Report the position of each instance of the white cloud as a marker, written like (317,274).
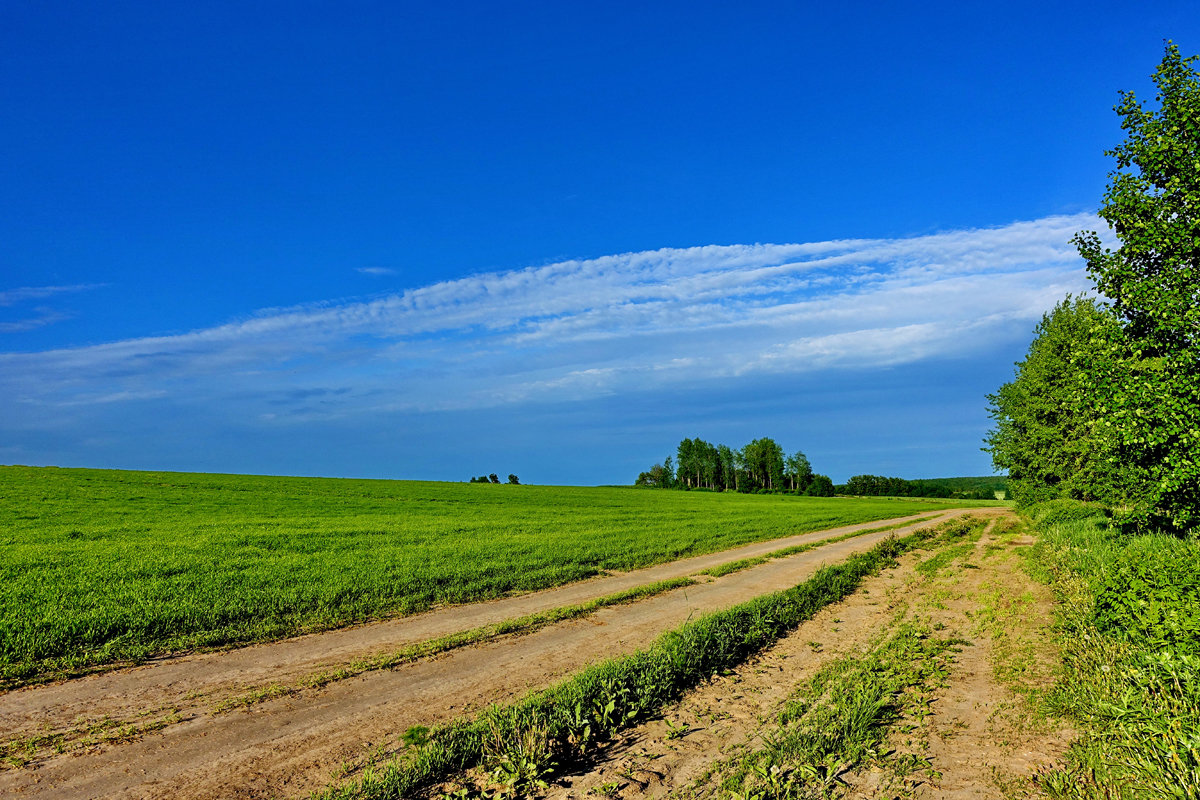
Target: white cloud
(11,297)
(583,328)
(45,316)
(376,271)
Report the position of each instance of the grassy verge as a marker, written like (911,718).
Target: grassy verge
(1129,616)
(516,748)
(930,567)
(784,552)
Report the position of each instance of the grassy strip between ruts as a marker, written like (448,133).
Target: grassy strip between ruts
(523,743)
(431,647)
(839,720)
(746,563)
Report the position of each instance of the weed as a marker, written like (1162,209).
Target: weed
(675,731)
(839,719)
(417,736)
(1132,686)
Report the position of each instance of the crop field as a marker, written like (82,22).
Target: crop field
(103,566)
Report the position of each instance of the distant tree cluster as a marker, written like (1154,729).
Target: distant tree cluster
(760,466)
(494,478)
(879,486)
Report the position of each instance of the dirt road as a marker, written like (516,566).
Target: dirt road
(292,745)
(975,740)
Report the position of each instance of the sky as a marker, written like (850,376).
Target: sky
(430,241)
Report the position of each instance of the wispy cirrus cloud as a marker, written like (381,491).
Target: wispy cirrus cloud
(42,315)
(45,316)
(586,328)
(11,297)
(376,271)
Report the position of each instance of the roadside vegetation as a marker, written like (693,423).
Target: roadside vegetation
(1100,433)
(105,566)
(1106,405)
(1129,616)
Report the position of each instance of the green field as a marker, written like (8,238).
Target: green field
(103,566)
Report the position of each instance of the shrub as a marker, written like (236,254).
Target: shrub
(1152,595)
(1054,512)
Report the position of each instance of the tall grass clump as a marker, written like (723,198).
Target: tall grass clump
(571,718)
(1129,615)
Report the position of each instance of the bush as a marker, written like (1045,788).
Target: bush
(1152,595)
(1054,512)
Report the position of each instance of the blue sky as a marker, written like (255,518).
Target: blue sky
(429,241)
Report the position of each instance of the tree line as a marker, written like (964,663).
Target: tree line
(880,486)
(1106,404)
(760,466)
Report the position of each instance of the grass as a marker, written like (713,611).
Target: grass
(515,749)
(1129,631)
(102,566)
(839,721)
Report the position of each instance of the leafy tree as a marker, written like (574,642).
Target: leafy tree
(764,462)
(799,471)
(699,464)
(1153,279)
(1051,433)
(819,486)
(729,468)
(656,477)
(493,478)
(877,486)
(759,466)
(513,479)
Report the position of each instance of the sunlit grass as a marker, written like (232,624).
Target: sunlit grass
(103,566)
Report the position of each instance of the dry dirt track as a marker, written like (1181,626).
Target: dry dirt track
(290,746)
(975,733)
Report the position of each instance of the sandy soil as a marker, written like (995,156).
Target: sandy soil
(292,745)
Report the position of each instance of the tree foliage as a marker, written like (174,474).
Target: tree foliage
(1051,434)
(1107,405)
(1153,280)
(759,466)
